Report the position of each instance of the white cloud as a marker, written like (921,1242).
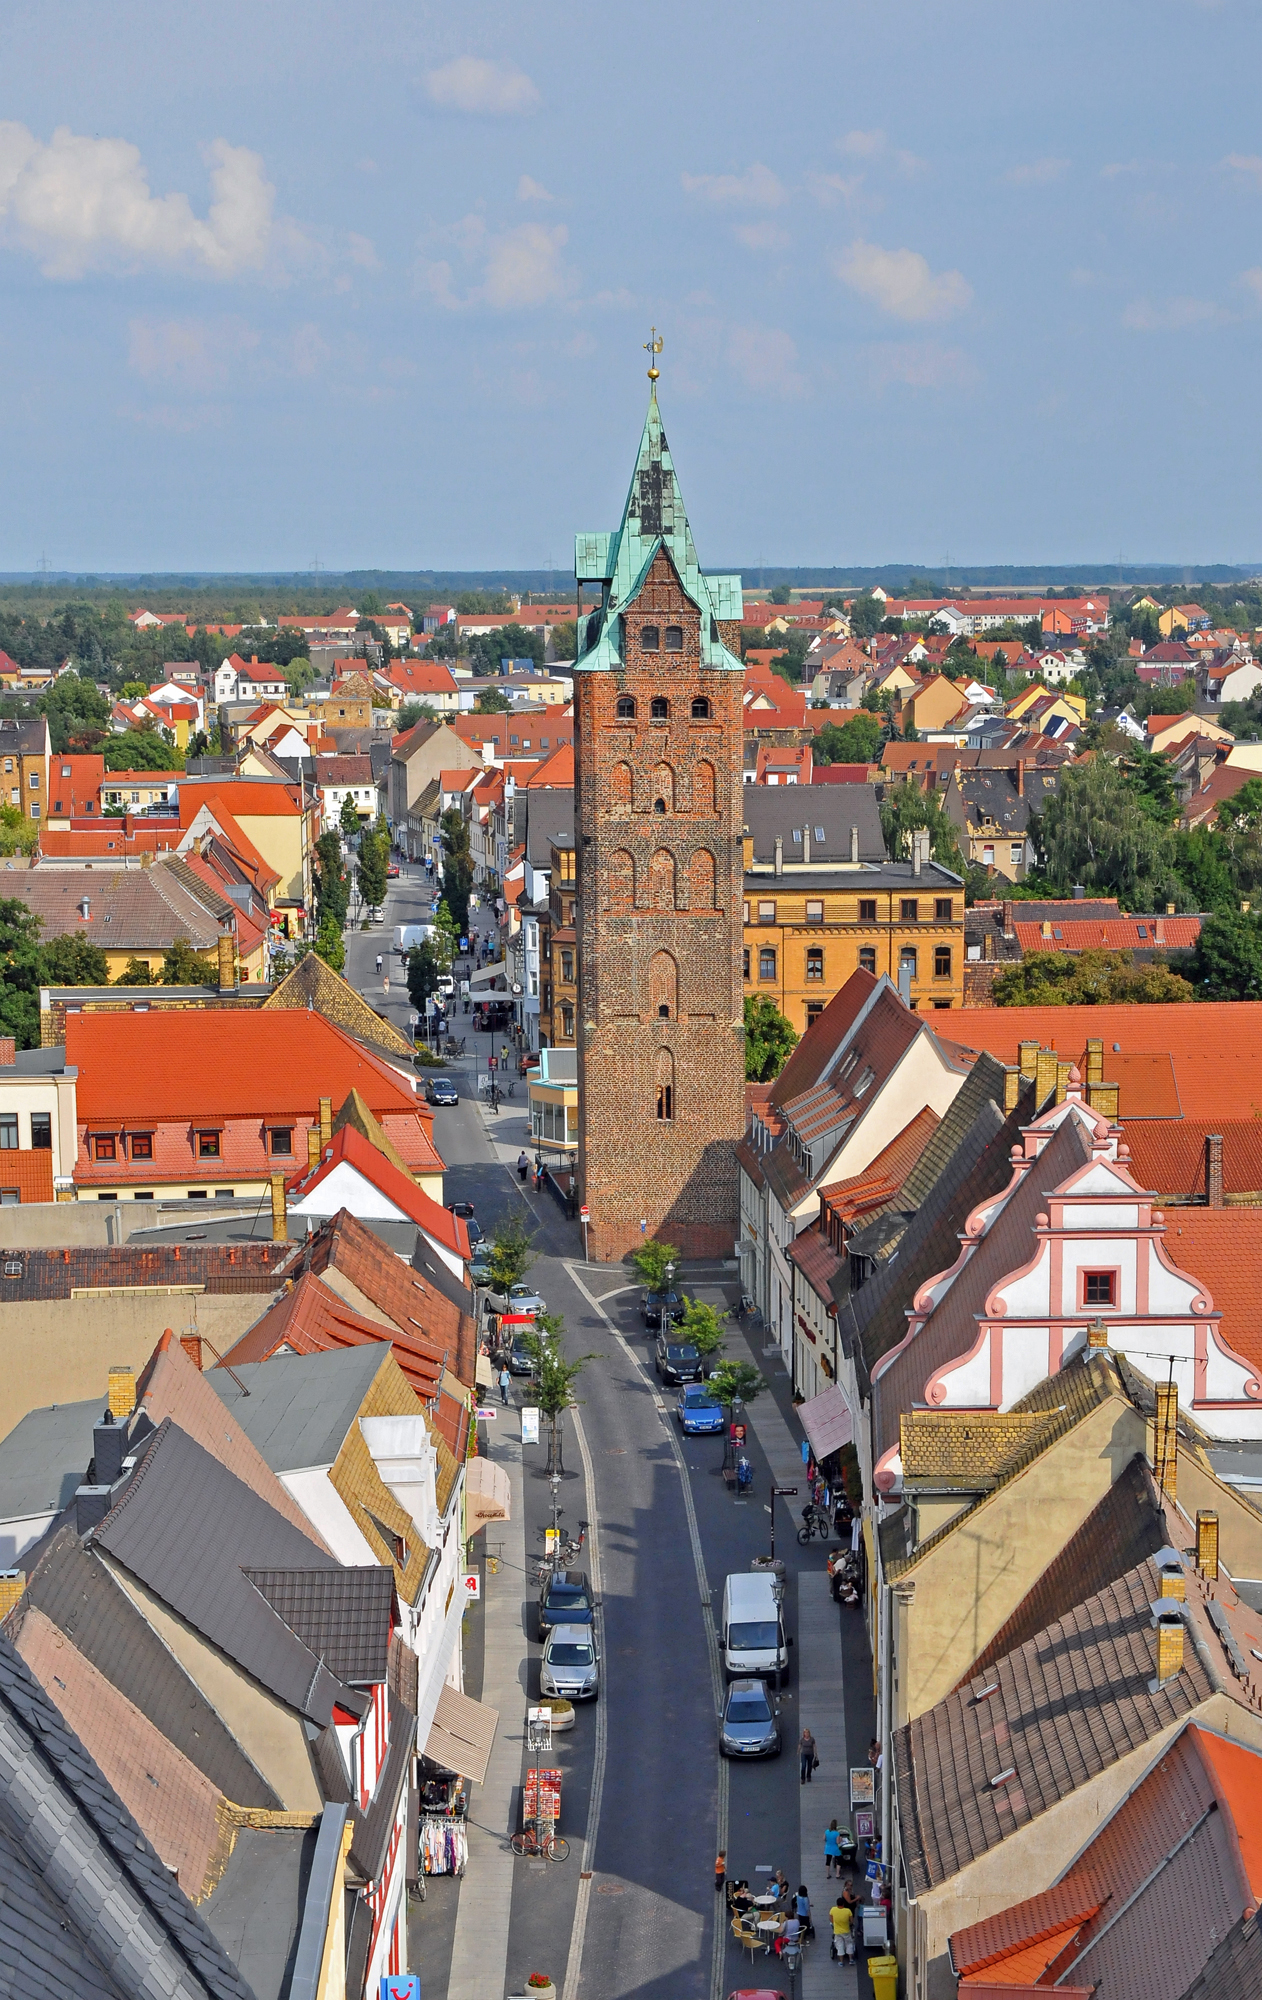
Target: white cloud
(1248,164)
(519,267)
(765,358)
(901,283)
(1037,173)
(528,190)
(921,365)
(757,187)
(363,252)
(829,189)
(863,145)
(761,236)
(1252,279)
(1169,315)
(486,89)
(193,353)
(81,204)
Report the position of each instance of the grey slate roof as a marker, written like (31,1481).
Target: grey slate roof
(1235,1970)
(44,1458)
(343,1615)
(549,818)
(185,1526)
(255,1909)
(299,1407)
(769,810)
(86,1906)
(130,908)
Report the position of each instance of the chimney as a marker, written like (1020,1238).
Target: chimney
(904,982)
(806,843)
(91,1505)
(1079,892)
(8,1052)
(1207,1543)
(1168,1620)
(1169,909)
(12,1584)
(280,1226)
(85,907)
(1045,930)
(1097,1334)
(192,1345)
(854,847)
(313,1147)
(121,1396)
(779,854)
(1170,1570)
(1020,777)
(326,1121)
(109,1448)
(227,965)
(1008,920)
(1011,1089)
(1028,1058)
(915,852)
(1044,1077)
(1159,930)
(1165,1439)
(1214,1170)
(1095,1062)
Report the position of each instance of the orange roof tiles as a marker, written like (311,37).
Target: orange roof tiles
(1223,1248)
(1122,934)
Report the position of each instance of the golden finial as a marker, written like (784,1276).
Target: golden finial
(653,347)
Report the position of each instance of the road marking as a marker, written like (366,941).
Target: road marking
(719,1940)
(573,1963)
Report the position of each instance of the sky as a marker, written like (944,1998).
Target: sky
(368,286)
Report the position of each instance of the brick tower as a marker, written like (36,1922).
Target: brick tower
(658,688)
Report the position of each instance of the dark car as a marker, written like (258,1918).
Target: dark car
(662,1308)
(565,1598)
(441,1090)
(464,1209)
(749,1727)
(521,1360)
(677,1361)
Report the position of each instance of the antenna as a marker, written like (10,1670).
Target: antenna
(42,567)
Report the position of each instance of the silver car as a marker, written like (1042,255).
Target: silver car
(571,1663)
(749,1727)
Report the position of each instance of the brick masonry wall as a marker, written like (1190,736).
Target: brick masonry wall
(979,980)
(659,925)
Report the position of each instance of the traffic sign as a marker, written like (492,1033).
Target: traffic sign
(584,1214)
(472,1585)
(400,1986)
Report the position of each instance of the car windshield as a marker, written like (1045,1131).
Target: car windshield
(681,1353)
(571,1656)
(567,1593)
(697,1397)
(759,1636)
(748,1708)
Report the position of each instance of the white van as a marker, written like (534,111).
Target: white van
(753,1632)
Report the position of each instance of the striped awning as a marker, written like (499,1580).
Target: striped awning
(488,1496)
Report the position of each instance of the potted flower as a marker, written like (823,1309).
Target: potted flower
(540,1987)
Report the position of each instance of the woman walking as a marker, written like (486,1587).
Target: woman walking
(806,1751)
(832,1851)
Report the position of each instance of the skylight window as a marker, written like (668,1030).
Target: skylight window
(797,835)
(820,835)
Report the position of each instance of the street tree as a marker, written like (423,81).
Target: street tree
(423,973)
(512,1253)
(182,966)
(332,886)
(374,852)
(457,867)
(702,1327)
(329,943)
(651,1261)
(554,1378)
(769,1038)
(736,1382)
(348,819)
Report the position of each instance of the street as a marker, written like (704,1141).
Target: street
(667,1532)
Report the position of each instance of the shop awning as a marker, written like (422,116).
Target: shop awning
(488,975)
(488,1496)
(827,1422)
(461,1735)
(484,1374)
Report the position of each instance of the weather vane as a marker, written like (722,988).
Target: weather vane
(653,347)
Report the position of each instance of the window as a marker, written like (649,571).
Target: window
(907,959)
(797,835)
(766,913)
(911,910)
(988,857)
(867,959)
(815,963)
(65,770)
(701,709)
(814,912)
(626,708)
(103,1146)
(820,837)
(650,638)
(35,815)
(567,1020)
(1017,851)
(665,1101)
(867,909)
(745,962)
(659,708)
(1098,1288)
(8,1131)
(142,1145)
(745,909)
(814,1008)
(674,638)
(567,966)
(8,763)
(942,909)
(208,1145)
(280,1139)
(942,961)
(767,962)
(34,781)
(42,1131)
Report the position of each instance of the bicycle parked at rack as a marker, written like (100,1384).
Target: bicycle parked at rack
(537,1838)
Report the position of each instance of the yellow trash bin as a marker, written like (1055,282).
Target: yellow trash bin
(884,1975)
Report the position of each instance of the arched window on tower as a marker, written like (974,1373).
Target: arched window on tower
(662,880)
(674,638)
(621,880)
(701,709)
(703,788)
(650,639)
(659,708)
(620,788)
(701,880)
(625,711)
(664,1086)
(663,793)
(663,987)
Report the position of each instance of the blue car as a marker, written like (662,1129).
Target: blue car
(698,1410)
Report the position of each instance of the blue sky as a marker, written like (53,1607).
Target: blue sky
(966,278)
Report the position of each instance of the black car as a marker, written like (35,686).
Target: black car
(521,1360)
(441,1090)
(464,1209)
(565,1598)
(677,1361)
(662,1308)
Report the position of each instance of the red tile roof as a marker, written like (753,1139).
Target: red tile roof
(30,1171)
(823,1038)
(1223,1248)
(350,1145)
(558,769)
(1122,934)
(1168,1156)
(882,1178)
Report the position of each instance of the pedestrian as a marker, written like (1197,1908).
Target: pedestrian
(523,1165)
(720,1869)
(790,1937)
(806,1751)
(874,1753)
(803,1908)
(832,1851)
(780,1883)
(841,1917)
(506,1383)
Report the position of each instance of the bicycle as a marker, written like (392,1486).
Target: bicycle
(814,1522)
(532,1840)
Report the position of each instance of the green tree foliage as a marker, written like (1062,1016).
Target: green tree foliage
(1152,781)
(512,1252)
(18,835)
(22,969)
(769,1038)
(1087,979)
(457,867)
(491,701)
(73,960)
(866,614)
(780,595)
(329,943)
(446,937)
(331,881)
(1240,831)
(413,712)
(736,1382)
(135,973)
(855,742)
(554,1377)
(565,639)
(1203,861)
(182,966)
(348,818)
(1226,962)
(1096,831)
(374,857)
(509,642)
(651,1260)
(141,750)
(424,972)
(906,810)
(702,1326)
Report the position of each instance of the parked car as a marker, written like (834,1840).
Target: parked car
(441,1090)
(521,1360)
(662,1308)
(392,871)
(464,1209)
(677,1361)
(564,1599)
(480,1265)
(698,1410)
(571,1663)
(749,1727)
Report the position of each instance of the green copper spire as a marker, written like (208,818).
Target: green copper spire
(653,518)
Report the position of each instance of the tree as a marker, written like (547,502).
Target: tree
(511,1252)
(554,1377)
(491,701)
(73,960)
(769,1038)
(423,974)
(446,938)
(866,614)
(374,856)
(1226,961)
(135,973)
(141,750)
(565,639)
(1152,781)
(651,1260)
(411,713)
(1094,830)
(855,742)
(457,867)
(182,966)
(1203,860)
(780,595)
(1088,979)
(348,819)
(21,973)
(702,1327)
(736,1382)
(905,810)
(329,944)
(18,835)
(332,885)
(132,690)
